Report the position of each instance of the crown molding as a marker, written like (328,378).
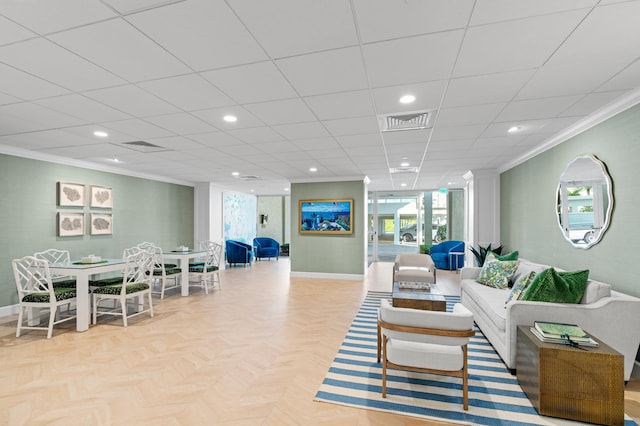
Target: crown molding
(35,155)
(621,104)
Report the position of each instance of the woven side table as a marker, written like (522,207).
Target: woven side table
(571,383)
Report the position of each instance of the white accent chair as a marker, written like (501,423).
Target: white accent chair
(425,341)
(414,267)
(35,291)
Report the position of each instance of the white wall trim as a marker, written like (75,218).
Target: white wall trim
(619,105)
(6,311)
(36,155)
(327,276)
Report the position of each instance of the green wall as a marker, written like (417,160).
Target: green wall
(143,210)
(329,254)
(528,215)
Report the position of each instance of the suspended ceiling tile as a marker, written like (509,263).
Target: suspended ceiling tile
(485,89)
(296,131)
(317,26)
(82,107)
(203,34)
(316,73)
(57,65)
(281,112)
(251,83)
(44,17)
(181,123)
(412,60)
(132,100)
(188,92)
(119,47)
(355,103)
(486,49)
(383,20)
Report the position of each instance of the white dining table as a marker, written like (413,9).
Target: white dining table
(184,257)
(82,272)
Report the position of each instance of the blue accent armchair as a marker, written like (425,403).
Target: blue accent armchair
(266,247)
(441,258)
(238,252)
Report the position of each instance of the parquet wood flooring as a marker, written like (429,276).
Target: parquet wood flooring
(253,353)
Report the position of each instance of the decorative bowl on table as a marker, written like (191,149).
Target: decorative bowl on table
(181,248)
(92,258)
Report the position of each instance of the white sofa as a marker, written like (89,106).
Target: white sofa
(609,315)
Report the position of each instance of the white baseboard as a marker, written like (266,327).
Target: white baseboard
(6,311)
(328,276)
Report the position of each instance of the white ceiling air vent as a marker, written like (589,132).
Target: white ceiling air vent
(250,177)
(399,170)
(414,120)
(143,146)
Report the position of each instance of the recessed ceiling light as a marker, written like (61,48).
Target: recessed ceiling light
(407,99)
(514,129)
(286,189)
(404,164)
(115,160)
(100,134)
(230,118)
(235,174)
(403,184)
(313,169)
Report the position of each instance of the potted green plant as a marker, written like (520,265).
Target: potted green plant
(481,253)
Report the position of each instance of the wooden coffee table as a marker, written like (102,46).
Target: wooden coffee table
(431,300)
(571,383)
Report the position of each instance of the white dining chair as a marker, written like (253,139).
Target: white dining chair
(134,288)
(36,291)
(58,256)
(207,274)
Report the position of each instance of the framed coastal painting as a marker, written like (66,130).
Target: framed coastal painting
(70,224)
(70,194)
(101,224)
(101,197)
(326,217)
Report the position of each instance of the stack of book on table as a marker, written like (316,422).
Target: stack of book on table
(553,332)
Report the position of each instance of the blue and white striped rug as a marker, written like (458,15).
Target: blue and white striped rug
(495,398)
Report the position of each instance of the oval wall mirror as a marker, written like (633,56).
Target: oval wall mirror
(584,201)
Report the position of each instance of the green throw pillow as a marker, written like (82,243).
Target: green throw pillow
(496,273)
(520,286)
(509,256)
(561,287)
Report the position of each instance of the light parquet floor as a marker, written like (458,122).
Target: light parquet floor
(253,353)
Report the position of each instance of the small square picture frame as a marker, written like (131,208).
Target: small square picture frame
(70,194)
(70,224)
(101,197)
(101,224)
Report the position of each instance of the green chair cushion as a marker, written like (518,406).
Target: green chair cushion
(560,287)
(116,289)
(70,283)
(106,281)
(169,271)
(43,297)
(200,268)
